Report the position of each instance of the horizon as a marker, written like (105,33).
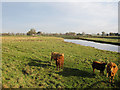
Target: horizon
(60,17)
(60,33)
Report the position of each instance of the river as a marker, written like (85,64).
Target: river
(97,45)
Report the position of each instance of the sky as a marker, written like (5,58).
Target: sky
(60,17)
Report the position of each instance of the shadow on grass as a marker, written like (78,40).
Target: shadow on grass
(39,63)
(75,72)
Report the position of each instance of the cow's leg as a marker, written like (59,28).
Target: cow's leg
(59,66)
(103,73)
(107,74)
(110,79)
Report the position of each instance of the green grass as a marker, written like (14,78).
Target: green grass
(104,39)
(26,64)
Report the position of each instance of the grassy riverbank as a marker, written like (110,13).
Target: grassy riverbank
(25,64)
(115,40)
(104,40)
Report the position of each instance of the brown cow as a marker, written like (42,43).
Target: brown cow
(55,55)
(111,71)
(60,61)
(99,66)
(59,58)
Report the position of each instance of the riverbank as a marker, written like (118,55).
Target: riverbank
(101,40)
(114,40)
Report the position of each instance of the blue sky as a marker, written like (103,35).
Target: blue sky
(60,17)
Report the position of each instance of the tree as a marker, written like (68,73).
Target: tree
(71,33)
(107,34)
(98,34)
(112,34)
(39,33)
(31,32)
(79,34)
(103,33)
(67,33)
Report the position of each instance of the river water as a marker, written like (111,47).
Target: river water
(97,45)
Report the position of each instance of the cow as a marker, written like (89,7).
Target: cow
(60,61)
(99,66)
(111,71)
(55,55)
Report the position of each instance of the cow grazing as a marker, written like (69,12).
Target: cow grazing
(111,71)
(60,61)
(99,66)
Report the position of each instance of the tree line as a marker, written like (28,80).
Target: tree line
(32,32)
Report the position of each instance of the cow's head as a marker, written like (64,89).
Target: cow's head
(111,68)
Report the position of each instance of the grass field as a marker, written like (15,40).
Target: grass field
(25,64)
